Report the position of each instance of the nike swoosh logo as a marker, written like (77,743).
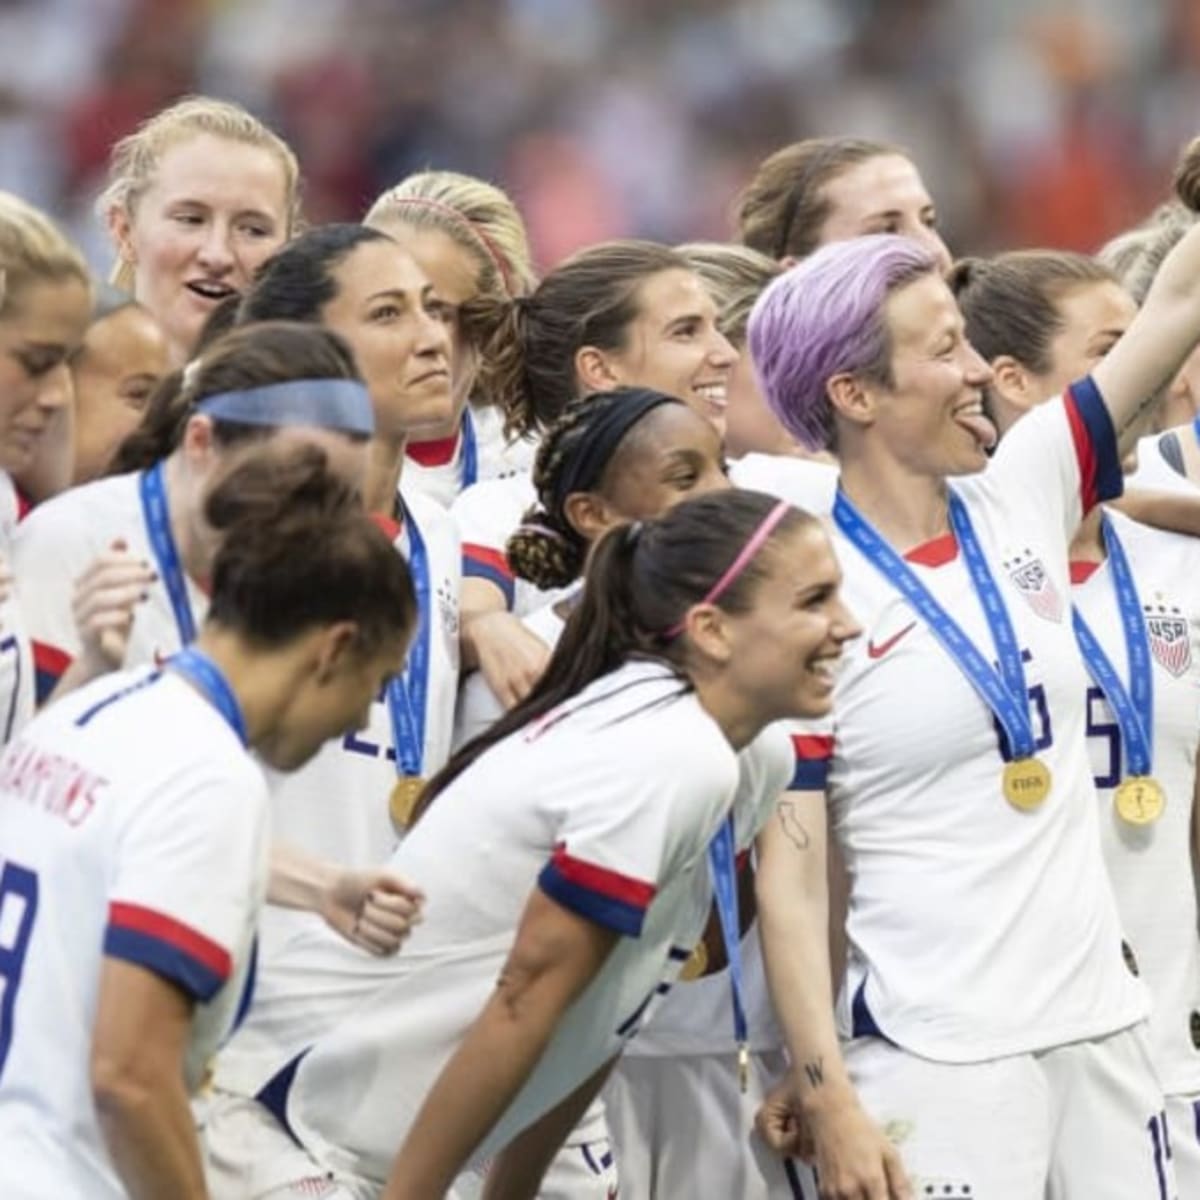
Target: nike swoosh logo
(874,651)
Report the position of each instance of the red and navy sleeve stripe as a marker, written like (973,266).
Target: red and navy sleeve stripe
(49,665)
(168,948)
(486,562)
(813,754)
(1095,441)
(616,901)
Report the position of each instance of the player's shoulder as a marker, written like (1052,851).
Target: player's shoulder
(88,515)
(807,483)
(493,502)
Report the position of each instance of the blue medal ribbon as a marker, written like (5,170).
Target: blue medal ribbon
(206,676)
(1005,692)
(408,692)
(722,862)
(1133,706)
(470,450)
(153,492)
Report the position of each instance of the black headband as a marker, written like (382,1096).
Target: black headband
(583,469)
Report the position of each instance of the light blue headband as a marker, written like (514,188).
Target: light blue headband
(343,404)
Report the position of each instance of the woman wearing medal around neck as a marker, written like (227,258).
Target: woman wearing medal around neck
(359,283)
(134,822)
(632,454)
(985,979)
(1043,319)
(113,573)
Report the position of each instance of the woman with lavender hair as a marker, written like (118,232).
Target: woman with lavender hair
(989,1023)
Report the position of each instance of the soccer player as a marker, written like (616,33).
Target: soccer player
(1043,319)
(566,899)
(134,825)
(45,295)
(828,189)
(469,239)
(620,313)
(198,197)
(116,370)
(958,781)
(113,572)
(621,456)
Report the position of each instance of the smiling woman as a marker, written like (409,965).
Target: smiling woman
(958,784)
(198,198)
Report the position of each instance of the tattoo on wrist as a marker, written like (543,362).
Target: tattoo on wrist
(790,824)
(815,1072)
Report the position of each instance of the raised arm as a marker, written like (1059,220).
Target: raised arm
(555,956)
(818,1114)
(1135,371)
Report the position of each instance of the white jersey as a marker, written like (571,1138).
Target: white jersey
(1151,866)
(697,1018)
(58,541)
(976,930)
(336,806)
(584,804)
(803,482)
(439,468)
(16,655)
(1154,472)
(133,825)
(487,515)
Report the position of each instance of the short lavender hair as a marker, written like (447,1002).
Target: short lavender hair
(824,317)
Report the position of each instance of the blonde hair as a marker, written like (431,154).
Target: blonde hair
(32,248)
(478,216)
(735,277)
(134,160)
(1136,255)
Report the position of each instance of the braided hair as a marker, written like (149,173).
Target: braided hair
(573,457)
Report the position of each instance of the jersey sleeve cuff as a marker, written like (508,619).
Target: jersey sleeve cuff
(168,948)
(49,665)
(813,754)
(486,562)
(1095,440)
(608,898)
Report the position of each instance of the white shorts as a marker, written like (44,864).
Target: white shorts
(584,1168)
(1183,1127)
(681,1128)
(248,1155)
(1079,1122)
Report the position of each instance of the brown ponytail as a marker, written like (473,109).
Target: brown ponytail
(299,551)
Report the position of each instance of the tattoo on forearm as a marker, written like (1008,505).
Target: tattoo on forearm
(792,829)
(815,1072)
(1139,411)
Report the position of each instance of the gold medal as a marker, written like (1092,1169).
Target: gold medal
(696,964)
(1026,783)
(404,799)
(1140,800)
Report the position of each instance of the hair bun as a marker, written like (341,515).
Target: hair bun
(1187,176)
(964,273)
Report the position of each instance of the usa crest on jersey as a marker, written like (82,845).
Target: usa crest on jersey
(1170,637)
(1029,576)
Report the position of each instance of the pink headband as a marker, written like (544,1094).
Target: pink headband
(753,545)
(488,245)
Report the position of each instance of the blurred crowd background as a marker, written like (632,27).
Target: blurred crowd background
(1035,122)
